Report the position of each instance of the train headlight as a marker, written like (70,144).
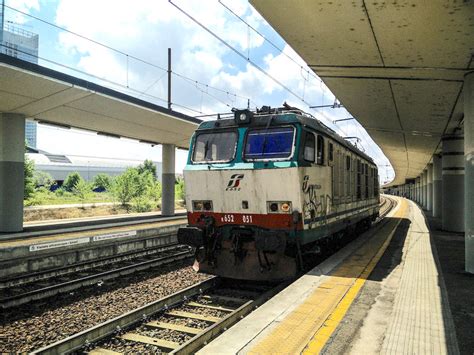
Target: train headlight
(285,207)
(279,207)
(200,205)
(242,117)
(207,205)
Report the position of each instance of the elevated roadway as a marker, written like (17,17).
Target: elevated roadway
(28,90)
(404,69)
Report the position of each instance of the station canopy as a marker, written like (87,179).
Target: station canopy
(397,66)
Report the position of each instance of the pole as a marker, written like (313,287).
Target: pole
(2,23)
(169,78)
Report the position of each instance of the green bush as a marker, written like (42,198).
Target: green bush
(102,181)
(126,186)
(29,186)
(40,197)
(142,190)
(141,204)
(43,179)
(71,181)
(61,192)
(147,166)
(179,190)
(82,190)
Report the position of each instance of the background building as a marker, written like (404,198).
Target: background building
(60,166)
(22,44)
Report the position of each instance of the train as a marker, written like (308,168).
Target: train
(266,188)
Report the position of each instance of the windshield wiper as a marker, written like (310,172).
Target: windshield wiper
(206,149)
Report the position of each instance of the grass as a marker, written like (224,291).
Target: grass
(44,197)
(82,212)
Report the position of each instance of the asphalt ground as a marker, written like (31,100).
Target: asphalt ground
(459,284)
(374,304)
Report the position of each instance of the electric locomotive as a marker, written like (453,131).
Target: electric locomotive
(265,188)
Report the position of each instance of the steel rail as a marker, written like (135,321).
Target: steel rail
(88,280)
(25,279)
(94,334)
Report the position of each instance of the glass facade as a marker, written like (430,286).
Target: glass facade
(31,133)
(21,44)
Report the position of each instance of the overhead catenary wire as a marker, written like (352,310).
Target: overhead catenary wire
(128,56)
(268,41)
(228,45)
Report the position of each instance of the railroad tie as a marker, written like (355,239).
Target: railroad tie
(182,314)
(149,340)
(177,327)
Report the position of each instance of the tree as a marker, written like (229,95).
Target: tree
(71,181)
(82,190)
(148,166)
(29,186)
(102,182)
(42,178)
(126,186)
(179,189)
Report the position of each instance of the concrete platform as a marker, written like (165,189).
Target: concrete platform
(21,254)
(383,293)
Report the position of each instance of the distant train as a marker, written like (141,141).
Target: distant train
(265,188)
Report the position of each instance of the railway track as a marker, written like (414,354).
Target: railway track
(386,206)
(179,324)
(23,289)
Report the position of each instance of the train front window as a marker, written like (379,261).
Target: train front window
(274,143)
(215,147)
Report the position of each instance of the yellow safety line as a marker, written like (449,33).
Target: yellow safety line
(318,316)
(321,337)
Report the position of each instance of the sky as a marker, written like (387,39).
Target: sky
(123,45)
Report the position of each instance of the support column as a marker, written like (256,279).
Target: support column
(12,174)
(423,189)
(168,180)
(437,186)
(429,189)
(418,190)
(469,165)
(453,183)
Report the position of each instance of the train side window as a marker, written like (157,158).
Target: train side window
(309,147)
(320,150)
(331,152)
(359,173)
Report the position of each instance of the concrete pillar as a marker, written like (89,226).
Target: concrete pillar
(168,180)
(429,189)
(12,175)
(469,166)
(437,186)
(418,190)
(423,189)
(453,183)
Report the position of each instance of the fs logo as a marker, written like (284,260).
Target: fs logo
(234,182)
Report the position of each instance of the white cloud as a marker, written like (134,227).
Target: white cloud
(146,28)
(21,5)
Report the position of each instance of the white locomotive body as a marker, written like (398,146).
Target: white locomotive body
(266,188)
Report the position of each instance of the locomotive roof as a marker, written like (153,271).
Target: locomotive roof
(281,118)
